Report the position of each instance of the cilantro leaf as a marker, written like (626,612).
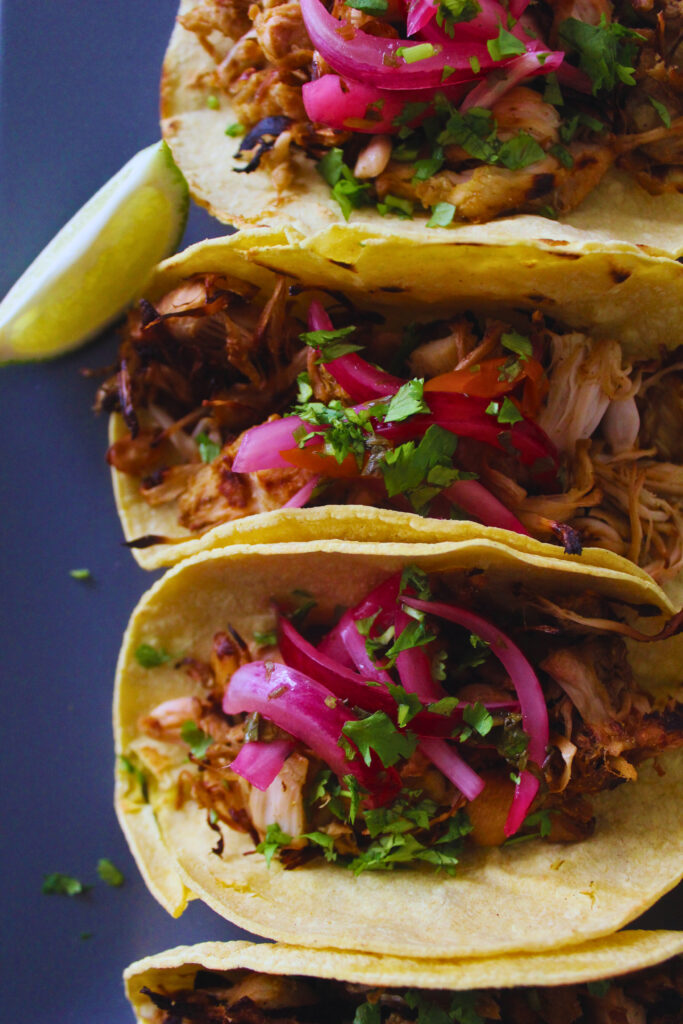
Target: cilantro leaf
(413,578)
(208,449)
(607,53)
(517,343)
(275,838)
(664,114)
(80,574)
(478,718)
(197,740)
(397,205)
(137,773)
(451,12)
(235,130)
(520,151)
(505,45)
(151,657)
(63,885)
(324,840)
(330,344)
(379,734)
(599,988)
(407,401)
(267,639)
(346,188)
(109,873)
(368,1013)
(368,6)
(442,215)
(505,411)
(409,704)
(421,471)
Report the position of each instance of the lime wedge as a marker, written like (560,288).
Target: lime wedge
(99,262)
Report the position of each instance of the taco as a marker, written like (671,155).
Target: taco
(284,724)
(631,976)
(243,403)
(304,114)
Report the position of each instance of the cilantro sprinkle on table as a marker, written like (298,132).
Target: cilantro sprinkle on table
(80,574)
(63,885)
(109,873)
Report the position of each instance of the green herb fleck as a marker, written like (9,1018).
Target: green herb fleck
(411,54)
(505,45)
(80,574)
(408,401)
(275,838)
(212,102)
(330,344)
(197,740)
(267,639)
(137,774)
(235,130)
(664,114)
(517,343)
(607,53)
(63,885)
(442,215)
(208,449)
(368,6)
(149,656)
(379,734)
(109,873)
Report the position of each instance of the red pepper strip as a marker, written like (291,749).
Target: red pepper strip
(525,682)
(301,707)
(314,459)
(261,763)
(485,381)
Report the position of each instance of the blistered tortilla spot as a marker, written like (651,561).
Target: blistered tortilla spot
(537,297)
(393,289)
(553,241)
(568,255)
(345,266)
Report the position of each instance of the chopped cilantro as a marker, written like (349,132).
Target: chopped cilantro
(409,704)
(330,344)
(80,574)
(415,634)
(330,167)
(447,72)
(305,390)
(542,819)
(208,449)
(212,102)
(407,401)
(442,215)
(197,740)
(368,1013)
(275,838)
(599,988)
(475,65)
(478,718)
(517,343)
(346,188)
(322,839)
(505,411)
(552,93)
(235,130)
(368,6)
(151,657)
(562,154)
(424,169)
(413,578)
(505,45)
(352,792)
(379,734)
(84,936)
(421,471)
(305,603)
(512,745)
(137,773)
(109,873)
(63,885)
(607,53)
(450,12)
(411,54)
(519,152)
(664,114)
(267,639)
(396,205)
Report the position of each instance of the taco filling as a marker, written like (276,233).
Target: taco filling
(232,410)
(650,996)
(469,109)
(415,726)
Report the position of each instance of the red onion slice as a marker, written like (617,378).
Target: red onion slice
(527,65)
(420,13)
(260,763)
(301,707)
(261,446)
(525,682)
(303,495)
(373,61)
(483,506)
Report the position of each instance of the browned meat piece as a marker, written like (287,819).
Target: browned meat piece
(282,36)
(228,17)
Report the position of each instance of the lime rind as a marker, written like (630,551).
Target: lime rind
(99,261)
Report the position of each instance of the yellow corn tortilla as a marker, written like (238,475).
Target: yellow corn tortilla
(534,896)
(618,212)
(175,969)
(633,297)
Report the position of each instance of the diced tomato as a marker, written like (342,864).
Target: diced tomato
(483,380)
(313,459)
